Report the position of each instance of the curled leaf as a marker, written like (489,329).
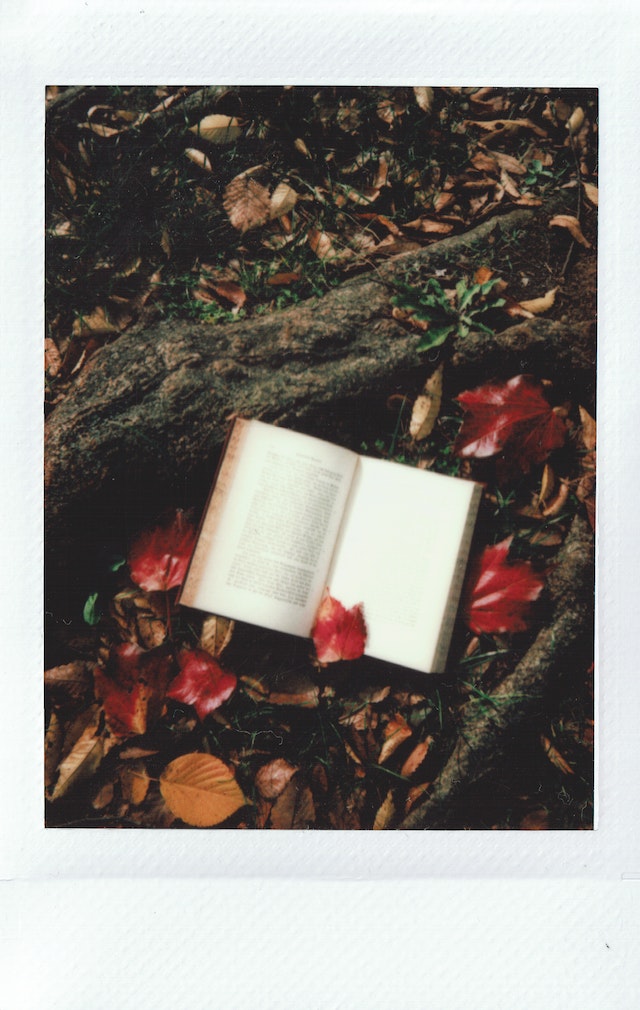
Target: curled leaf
(542,304)
(218,129)
(199,158)
(201,682)
(201,790)
(338,633)
(500,592)
(573,226)
(158,559)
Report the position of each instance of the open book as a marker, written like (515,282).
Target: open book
(290,515)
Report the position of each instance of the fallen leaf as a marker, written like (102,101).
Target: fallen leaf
(159,558)
(591,192)
(216,634)
(424,98)
(500,593)
(535,820)
(542,304)
(96,323)
(575,120)
(72,679)
(201,682)
(301,147)
(140,617)
(201,790)
(294,808)
(385,814)
(555,757)
(512,417)
(82,761)
(338,633)
(218,129)
(276,280)
(199,158)
(395,733)
(414,794)
(52,358)
(246,202)
(52,748)
(573,226)
(103,797)
(430,227)
(321,244)
(482,275)
(232,292)
(283,200)
(427,406)
(416,757)
(507,126)
(273,778)
(586,489)
(132,687)
(134,780)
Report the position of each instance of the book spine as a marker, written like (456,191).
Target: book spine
(446,629)
(213,511)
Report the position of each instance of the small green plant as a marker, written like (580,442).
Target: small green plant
(445,315)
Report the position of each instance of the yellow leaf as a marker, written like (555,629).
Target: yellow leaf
(385,813)
(424,98)
(591,192)
(201,790)
(283,199)
(427,406)
(218,129)
(216,634)
(573,225)
(538,305)
(198,158)
(246,202)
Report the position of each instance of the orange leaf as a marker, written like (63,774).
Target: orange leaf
(395,732)
(201,790)
(416,757)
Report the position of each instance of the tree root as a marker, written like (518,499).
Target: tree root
(517,700)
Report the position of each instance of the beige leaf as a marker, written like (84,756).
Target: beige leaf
(81,762)
(547,485)
(427,406)
(424,98)
(94,324)
(321,244)
(430,227)
(301,147)
(216,634)
(543,304)
(52,359)
(591,192)
(201,790)
(134,780)
(283,200)
(273,778)
(246,202)
(573,225)
(575,120)
(588,429)
(508,183)
(199,158)
(218,129)
(395,732)
(385,813)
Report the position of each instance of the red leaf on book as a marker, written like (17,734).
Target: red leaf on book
(338,633)
(500,592)
(132,687)
(201,682)
(513,416)
(159,558)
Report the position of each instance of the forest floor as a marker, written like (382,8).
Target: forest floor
(223,204)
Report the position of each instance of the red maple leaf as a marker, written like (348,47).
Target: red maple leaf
(514,417)
(338,633)
(132,687)
(500,592)
(159,558)
(201,682)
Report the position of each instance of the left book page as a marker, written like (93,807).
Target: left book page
(270,527)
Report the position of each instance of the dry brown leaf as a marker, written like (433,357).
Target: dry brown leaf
(246,202)
(573,225)
(103,797)
(294,808)
(283,278)
(430,227)
(527,200)
(507,125)
(508,184)
(586,488)
(415,793)
(301,147)
(218,129)
(427,406)
(547,484)
(273,778)
(140,617)
(52,358)
(416,757)
(395,732)
(134,780)
(508,162)
(424,98)
(535,820)
(321,244)
(385,813)
(591,192)
(485,163)
(542,304)
(82,761)
(199,158)
(201,790)
(216,634)
(389,110)
(482,275)
(52,748)
(72,678)
(94,324)
(361,718)
(555,757)
(575,120)
(295,689)
(283,200)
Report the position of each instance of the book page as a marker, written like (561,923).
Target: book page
(399,553)
(271,525)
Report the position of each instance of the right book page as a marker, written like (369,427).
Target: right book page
(402,552)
